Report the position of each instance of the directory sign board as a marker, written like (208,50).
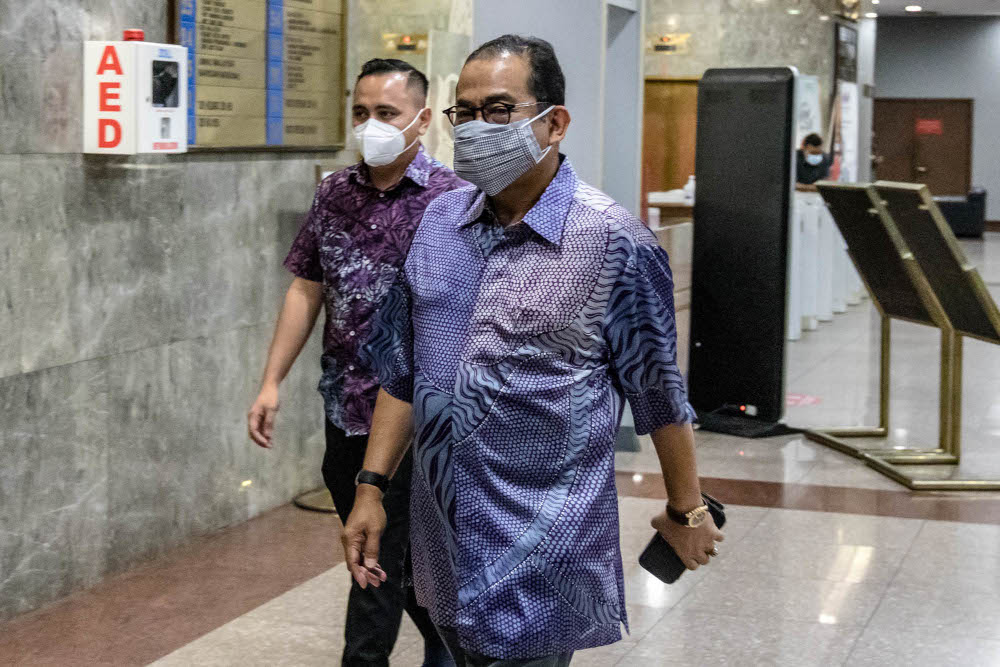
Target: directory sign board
(264,72)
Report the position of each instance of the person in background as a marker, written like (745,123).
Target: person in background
(531,306)
(345,258)
(812,163)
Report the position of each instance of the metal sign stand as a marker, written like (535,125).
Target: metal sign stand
(915,271)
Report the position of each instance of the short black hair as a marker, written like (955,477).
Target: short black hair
(546,81)
(813,140)
(375,66)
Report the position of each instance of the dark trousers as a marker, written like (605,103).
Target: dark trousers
(374,614)
(465,658)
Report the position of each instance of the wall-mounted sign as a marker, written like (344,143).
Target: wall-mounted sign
(930,126)
(849,9)
(670,44)
(846,64)
(396,42)
(134,100)
(264,72)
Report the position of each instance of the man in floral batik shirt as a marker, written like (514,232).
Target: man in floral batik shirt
(346,258)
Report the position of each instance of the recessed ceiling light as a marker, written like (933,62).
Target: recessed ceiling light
(914,8)
(871,15)
(824,17)
(794,12)
(875,2)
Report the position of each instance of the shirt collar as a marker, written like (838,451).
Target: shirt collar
(548,216)
(418,171)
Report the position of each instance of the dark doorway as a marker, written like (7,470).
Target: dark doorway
(925,141)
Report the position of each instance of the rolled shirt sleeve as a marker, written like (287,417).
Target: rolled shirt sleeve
(303,258)
(642,337)
(389,347)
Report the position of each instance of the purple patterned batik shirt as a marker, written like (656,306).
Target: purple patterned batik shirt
(354,241)
(517,348)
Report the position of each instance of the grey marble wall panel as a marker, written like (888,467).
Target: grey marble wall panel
(744,33)
(96,244)
(294,460)
(20,99)
(137,301)
(171,474)
(53,483)
(10,325)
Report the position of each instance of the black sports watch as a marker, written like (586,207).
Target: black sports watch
(381,482)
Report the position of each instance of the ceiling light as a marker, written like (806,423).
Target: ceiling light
(871,15)
(824,17)
(914,8)
(875,2)
(794,12)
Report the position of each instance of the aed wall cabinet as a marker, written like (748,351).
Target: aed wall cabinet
(134,98)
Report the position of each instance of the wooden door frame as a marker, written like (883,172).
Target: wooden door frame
(972,128)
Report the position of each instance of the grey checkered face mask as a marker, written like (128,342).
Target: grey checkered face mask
(493,156)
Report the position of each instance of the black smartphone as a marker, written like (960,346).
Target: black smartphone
(660,559)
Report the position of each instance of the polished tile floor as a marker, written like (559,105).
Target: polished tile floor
(826,562)
(790,588)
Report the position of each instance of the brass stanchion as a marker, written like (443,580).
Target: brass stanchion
(926,279)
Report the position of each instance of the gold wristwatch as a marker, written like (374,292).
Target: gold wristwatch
(691,519)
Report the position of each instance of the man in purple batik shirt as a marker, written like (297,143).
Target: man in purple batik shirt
(345,259)
(530,307)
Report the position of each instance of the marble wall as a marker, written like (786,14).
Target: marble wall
(137,300)
(744,33)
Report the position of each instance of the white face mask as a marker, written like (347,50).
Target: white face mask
(815,159)
(492,156)
(382,143)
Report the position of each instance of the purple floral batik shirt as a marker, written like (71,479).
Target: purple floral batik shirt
(517,347)
(354,241)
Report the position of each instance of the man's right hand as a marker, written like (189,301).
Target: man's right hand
(362,536)
(260,419)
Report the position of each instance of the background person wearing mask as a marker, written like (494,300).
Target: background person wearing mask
(345,258)
(530,306)
(812,163)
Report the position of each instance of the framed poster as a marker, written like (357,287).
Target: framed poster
(265,74)
(846,62)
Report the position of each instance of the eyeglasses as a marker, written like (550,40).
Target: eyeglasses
(497,113)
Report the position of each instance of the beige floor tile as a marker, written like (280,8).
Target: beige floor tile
(604,656)
(956,556)
(254,642)
(938,611)
(791,555)
(321,601)
(833,528)
(850,473)
(689,638)
(922,649)
(641,619)
(780,597)
(643,589)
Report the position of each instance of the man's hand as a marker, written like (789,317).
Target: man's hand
(362,535)
(260,419)
(693,545)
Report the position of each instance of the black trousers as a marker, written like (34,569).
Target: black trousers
(374,614)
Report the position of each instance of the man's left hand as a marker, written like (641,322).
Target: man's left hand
(695,546)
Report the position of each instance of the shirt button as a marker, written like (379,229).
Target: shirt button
(374,226)
(381,195)
(351,334)
(350,368)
